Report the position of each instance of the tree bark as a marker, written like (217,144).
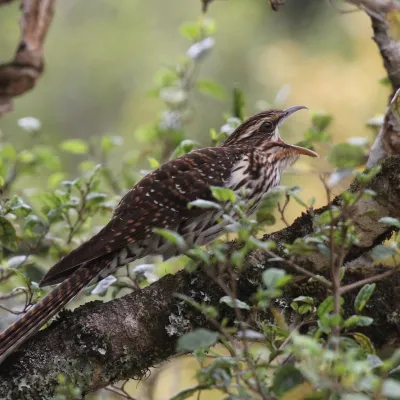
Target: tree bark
(100,343)
(383,14)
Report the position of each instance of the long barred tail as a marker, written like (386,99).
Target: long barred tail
(41,312)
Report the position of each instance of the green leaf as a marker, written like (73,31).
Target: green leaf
(355,396)
(232,303)
(325,217)
(270,201)
(326,306)
(300,392)
(391,388)
(261,244)
(165,77)
(74,183)
(110,142)
(16,262)
(34,226)
(275,278)
(26,157)
(390,221)
(19,207)
(45,155)
(88,165)
(304,308)
(74,146)
(204,204)
(55,179)
(153,162)
(237,258)
(394,360)
(358,320)
(211,88)
(172,237)
(189,392)
(342,272)
(286,378)
(197,339)
(209,26)
(191,30)
(95,198)
(8,152)
(346,155)
(223,194)
(364,342)
(304,299)
(292,192)
(363,296)
(185,146)
(368,175)
(265,217)
(238,104)
(321,121)
(199,254)
(8,236)
(381,252)
(299,247)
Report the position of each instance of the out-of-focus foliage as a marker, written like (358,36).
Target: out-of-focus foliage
(131,84)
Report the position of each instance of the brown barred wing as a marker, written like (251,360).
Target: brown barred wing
(159,200)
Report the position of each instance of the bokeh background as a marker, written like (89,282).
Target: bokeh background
(102,57)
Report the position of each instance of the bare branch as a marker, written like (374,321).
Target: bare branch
(371,279)
(276,4)
(21,74)
(382,13)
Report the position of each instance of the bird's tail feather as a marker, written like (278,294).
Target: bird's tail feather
(41,312)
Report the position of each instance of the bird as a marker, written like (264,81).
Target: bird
(253,158)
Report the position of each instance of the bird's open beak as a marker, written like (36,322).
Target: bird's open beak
(291,110)
(303,151)
(298,149)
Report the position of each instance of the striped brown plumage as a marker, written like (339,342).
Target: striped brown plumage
(253,157)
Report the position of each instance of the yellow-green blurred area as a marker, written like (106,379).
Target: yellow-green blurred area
(102,57)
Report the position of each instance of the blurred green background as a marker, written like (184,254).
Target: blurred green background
(102,57)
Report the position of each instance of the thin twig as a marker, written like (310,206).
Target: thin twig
(10,179)
(16,292)
(301,270)
(282,211)
(334,269)
(363,282)
(122,393)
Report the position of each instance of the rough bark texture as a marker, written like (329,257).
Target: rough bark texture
(383,14)
(20,75)
(100,343)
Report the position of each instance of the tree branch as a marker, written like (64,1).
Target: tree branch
(383,17)
(100,343)
(21,74)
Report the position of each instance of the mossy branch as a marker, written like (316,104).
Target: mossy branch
(100,343)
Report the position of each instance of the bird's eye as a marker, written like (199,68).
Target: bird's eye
(267,127)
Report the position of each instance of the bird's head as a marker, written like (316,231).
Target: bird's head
(261,131)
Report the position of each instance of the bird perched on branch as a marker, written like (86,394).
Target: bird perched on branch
(253,158)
